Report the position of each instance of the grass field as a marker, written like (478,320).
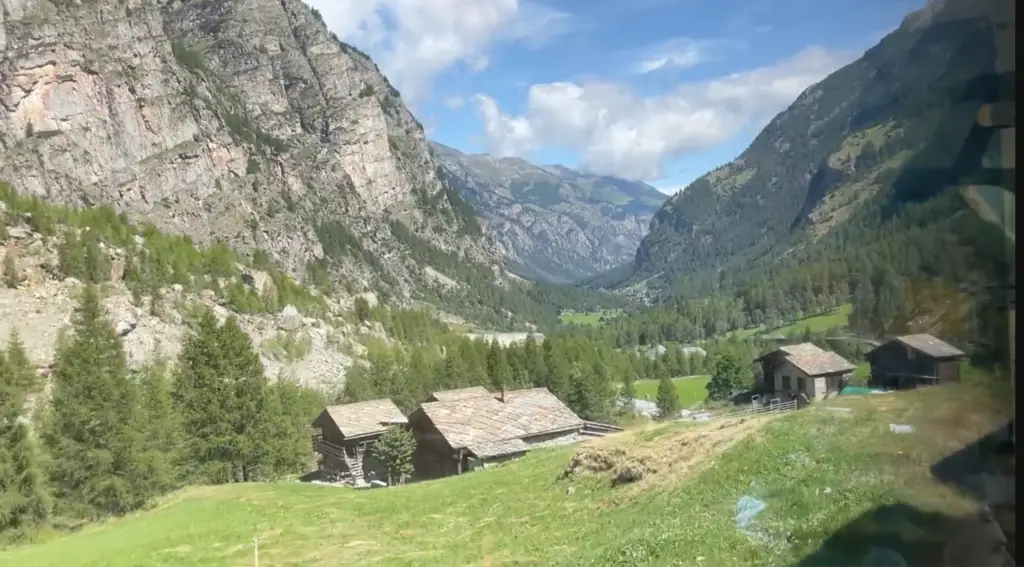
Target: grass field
(588,318)
(816,470)
(690,389)
(838,317)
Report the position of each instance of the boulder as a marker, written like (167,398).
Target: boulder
(289,319)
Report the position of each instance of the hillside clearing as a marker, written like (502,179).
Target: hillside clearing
(816,471)
(587,318)
(691,389)
(834,318)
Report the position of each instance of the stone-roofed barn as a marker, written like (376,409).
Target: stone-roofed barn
(345,431)
(912,360)
(457,432)
(804,368)
(458,394)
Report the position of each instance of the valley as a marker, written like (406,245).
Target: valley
(235,237)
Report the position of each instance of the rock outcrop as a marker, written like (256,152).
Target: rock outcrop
(238,121)
(314,352)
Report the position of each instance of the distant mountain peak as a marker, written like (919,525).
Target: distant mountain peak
(552,222)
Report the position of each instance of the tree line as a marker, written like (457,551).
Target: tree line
(110,439)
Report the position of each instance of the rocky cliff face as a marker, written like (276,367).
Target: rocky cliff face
(240,121)
(553,223)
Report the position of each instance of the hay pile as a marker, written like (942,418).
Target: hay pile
(623,467)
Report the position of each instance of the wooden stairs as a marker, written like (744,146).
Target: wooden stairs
(353,464)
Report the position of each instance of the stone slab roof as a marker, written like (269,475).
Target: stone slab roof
(485,419)
(459,394)
(801,349)
(491,449)
(823,362)
(365,418)
(791,350)
(930,345)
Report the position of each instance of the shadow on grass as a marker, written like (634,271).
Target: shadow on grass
(901,534)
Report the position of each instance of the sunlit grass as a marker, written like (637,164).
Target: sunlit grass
(817,470)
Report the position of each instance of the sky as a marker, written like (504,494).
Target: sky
(660,91)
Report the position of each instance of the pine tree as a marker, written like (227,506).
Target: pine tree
(862,316)
(93,430)
(667,399)
(247,385)
(394,449)
(203,402)
(297,406)
(71,256)
(498,369)
(25,502)
(231,418)
(162,454)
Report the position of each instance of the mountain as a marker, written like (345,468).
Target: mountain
(552,223)
(830,171)
(243,122)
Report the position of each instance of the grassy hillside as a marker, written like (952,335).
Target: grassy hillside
(817,470)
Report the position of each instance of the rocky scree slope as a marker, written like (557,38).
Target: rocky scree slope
(552,223)
(238,121)
(312,351)
(835,155)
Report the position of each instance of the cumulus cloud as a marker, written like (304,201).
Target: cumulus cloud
(414,40)
(618,132)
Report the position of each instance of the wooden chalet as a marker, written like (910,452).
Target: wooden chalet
(914,360)
(345,431)
(792,370)
(460,431)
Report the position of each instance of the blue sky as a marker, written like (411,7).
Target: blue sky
(655,90)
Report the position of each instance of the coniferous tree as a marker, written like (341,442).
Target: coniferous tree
(161,459)
(71,256)
(203,403)
(246,385)
(498,369)
(24,499)
(667,399)
(93,430)
(394,449)
(862,316)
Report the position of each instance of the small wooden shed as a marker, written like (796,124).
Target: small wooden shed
(909,361)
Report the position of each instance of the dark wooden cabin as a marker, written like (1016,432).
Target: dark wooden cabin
(345,431)
(910,361)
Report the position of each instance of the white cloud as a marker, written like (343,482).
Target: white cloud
(454,102)
(678,53)
(620,133)
(414,40)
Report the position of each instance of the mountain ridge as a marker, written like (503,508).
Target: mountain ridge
(551,222)
(830,159)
